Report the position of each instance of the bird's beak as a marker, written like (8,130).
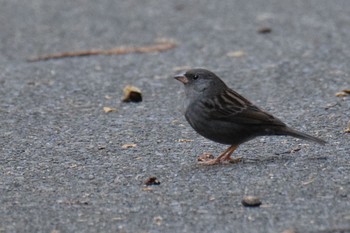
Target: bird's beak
(181,78)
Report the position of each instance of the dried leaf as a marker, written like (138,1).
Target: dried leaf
(108,109)
(127,146)
(184,140)
(347,130)
(152,181)
(147,189)
(132,94)
(343,93)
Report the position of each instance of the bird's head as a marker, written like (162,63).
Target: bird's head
(201,82)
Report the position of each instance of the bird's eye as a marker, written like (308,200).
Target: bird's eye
(195,76)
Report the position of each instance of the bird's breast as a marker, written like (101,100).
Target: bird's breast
(221,131)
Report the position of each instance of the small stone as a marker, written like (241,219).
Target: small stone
(251,201)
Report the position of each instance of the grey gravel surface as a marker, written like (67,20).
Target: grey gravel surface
(62,164)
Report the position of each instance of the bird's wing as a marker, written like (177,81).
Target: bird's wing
(232,107)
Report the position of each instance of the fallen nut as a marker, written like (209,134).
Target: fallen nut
(251,201)
(132,94)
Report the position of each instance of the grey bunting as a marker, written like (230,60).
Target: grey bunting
(222,115)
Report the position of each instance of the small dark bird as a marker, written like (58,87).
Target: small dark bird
(222,115)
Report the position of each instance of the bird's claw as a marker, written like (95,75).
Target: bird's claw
(205,157)
(235,160)
(208,159)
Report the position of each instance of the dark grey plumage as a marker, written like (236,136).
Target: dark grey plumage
(222,115)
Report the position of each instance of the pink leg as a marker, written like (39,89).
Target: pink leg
(225,157)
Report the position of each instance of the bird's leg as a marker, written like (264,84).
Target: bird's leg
(207,158)
(225,157)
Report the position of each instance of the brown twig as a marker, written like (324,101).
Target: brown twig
(158,47)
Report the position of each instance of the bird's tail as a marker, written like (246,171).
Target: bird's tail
(294,133)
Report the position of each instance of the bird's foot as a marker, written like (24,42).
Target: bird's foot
(208,159)
(235,160)
(205,157)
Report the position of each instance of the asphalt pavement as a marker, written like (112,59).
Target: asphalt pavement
(67,165)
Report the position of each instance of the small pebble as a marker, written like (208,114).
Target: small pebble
(251,201)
